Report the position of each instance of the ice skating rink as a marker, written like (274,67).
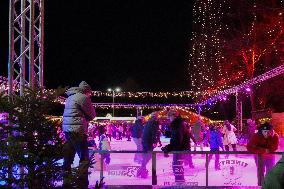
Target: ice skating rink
(235,170)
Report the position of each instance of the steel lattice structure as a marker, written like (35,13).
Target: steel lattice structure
(26,44)
(234,90)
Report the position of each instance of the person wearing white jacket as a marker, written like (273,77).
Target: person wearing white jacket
(229,136)
(104,144)
(78,112)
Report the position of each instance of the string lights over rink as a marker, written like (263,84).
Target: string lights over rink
(140,106)
(186,94)
(180,94)
(213,97)
(246,85)
(145,106)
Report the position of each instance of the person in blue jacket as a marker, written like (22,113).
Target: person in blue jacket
(216,143)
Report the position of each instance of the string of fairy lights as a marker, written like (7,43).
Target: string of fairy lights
(177,94)
(204,105)
(220,95)
(225,55)
(192,107)
(206,59)
(265,34)
(186,94)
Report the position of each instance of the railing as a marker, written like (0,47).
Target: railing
(260,172)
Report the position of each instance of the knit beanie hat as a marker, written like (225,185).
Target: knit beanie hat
(85,87)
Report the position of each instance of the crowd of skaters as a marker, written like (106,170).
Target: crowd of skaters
(127,130)
(146,134)
(217,136)
(113,130)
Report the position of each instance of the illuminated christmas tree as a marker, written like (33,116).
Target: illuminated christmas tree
(254,42)
(255,32)
(234,41)
(206,59)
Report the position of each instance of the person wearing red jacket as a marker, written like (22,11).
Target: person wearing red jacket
(264,142)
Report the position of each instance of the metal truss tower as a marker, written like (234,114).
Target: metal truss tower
(26,44)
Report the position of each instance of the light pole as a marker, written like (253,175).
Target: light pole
(117,89)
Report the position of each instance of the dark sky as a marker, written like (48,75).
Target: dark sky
(108,42)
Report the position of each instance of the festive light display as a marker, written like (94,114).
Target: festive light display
(4,84)
(216,61)
(206,59)
(137,106)
(186,94)
(256,43)
(222,94)
(187,115)
(230,44)
(144,106)
(179,94)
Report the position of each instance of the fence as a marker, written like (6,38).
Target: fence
(242,160)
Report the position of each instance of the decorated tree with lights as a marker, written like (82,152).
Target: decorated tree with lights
(253,45)
(206,61)
(234,41)
(30,144)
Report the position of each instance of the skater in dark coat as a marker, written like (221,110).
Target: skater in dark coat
(149,142)
(180,140)
(137,131)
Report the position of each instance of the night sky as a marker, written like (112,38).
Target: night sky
(110,43)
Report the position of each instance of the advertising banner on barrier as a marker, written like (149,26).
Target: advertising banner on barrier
(123,170)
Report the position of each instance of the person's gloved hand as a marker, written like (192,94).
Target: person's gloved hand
(164,149)
(166,154)
(100,184)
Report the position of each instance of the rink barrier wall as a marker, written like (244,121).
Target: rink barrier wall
(260,173)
